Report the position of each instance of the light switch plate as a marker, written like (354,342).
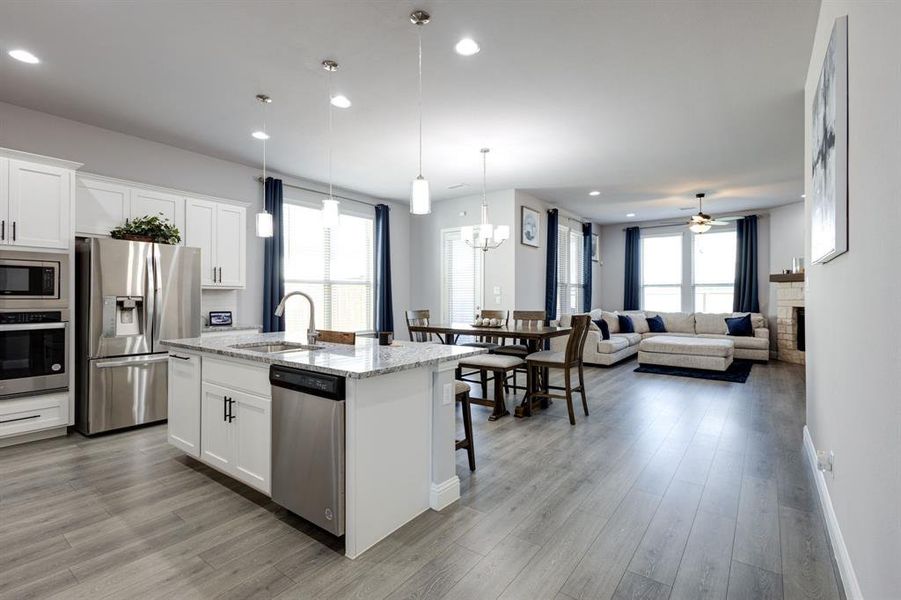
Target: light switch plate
(448,394)
(497,290)
(497,299)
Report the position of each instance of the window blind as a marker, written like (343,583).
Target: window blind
(461,278)
(334,266)
(569,270)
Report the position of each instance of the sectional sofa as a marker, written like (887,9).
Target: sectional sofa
(703,325)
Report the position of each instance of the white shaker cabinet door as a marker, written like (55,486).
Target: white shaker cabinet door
(100,206)
(184,402)
(39,202)
(216,446)
(230,242)
(252,423)
(200,232)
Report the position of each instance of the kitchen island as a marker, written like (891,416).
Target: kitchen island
(399,419)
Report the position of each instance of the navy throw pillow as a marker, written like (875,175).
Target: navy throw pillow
(655,324)
(605,329)
(625,324)
(740,326)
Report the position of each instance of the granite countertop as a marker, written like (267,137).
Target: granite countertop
(364,359)
(208,328)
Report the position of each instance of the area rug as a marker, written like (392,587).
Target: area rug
(737,372)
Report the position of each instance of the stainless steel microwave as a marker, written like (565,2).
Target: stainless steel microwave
(33,280)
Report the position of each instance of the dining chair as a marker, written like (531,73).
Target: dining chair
(420,318)
(531,319)
(498,366)
(570,358)
(462,394)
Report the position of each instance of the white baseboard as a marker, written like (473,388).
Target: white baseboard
(445,493)
(842,558)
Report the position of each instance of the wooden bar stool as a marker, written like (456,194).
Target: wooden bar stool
(462,391)
(499,366)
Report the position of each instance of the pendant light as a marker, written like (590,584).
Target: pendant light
(485,236)
(264,218)
(420,199)
(331,210)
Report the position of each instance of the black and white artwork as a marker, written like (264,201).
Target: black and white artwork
(531,227)
(595,250)
(829,144)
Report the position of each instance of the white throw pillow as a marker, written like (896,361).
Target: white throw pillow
(639,320)
(612,319)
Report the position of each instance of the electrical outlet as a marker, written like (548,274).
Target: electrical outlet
(826,461)
(497,299)
(448,397)
(497,290)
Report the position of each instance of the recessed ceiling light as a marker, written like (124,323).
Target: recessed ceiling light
(467,47)
(340,101)
(25,56)
(630,215)
(803,195)
(260,135)
(594,193)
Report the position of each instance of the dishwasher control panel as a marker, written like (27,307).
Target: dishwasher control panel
(318,384)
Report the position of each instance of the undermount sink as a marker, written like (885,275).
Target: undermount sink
(274,348)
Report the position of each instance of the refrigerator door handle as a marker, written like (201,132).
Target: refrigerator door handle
(136,361)
(157,301)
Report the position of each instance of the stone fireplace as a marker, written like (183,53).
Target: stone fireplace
(790,326)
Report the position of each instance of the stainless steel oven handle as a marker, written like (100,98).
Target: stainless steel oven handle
(33,326)
(132,362)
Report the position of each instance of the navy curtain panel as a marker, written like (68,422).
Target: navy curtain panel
(745,298)
(274,258)
(550,281)
(384,310)
(586,266)
(632,283)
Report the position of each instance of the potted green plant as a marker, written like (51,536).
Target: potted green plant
(156,229)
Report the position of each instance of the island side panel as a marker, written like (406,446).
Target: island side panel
(445,484)
(388,462)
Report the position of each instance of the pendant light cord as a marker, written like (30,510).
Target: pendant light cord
(265,208)
(330,136)
(419,35)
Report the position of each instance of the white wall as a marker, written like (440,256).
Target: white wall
(853,330)
(786,243)
(106,152)
(531,263)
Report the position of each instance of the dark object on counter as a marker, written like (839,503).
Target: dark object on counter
(220,318)
(386,338)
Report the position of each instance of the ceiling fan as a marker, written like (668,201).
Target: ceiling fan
(702,222)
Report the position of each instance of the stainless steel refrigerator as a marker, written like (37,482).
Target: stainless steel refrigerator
(128,297)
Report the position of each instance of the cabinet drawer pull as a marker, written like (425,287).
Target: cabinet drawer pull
(2,230)
(179,357)
(225,408)
(19,419)
(14,231)
(231,414)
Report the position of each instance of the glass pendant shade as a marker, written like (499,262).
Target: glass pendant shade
(420,199)
(331,215)
(502,233)
(264,224)
(699,227)
(466,232)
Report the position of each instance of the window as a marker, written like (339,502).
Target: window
(569,270)
(661,273)
(461,278)
(334,266)
(714,271)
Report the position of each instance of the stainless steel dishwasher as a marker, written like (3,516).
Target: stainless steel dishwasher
(308,445)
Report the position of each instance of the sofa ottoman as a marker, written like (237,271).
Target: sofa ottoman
(709,354)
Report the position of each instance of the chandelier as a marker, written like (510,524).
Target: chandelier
(485,236)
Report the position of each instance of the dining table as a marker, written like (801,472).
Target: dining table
(533,336)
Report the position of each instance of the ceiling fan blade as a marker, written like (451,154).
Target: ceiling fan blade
(717,223)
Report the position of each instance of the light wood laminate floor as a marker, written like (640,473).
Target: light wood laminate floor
(672,488)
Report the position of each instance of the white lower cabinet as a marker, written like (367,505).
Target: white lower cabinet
(35,413)
(219,414)
(184,402)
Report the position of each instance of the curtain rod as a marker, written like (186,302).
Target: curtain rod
(311,190)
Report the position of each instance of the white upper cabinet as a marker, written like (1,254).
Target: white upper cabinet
(100,206)
(35,204)
(230,240)
(151,203)
(218,229)
(200,232)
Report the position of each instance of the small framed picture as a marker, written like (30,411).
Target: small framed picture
(220,318)
(595,252)
(530,227)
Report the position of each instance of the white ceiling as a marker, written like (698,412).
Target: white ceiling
(648,102)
